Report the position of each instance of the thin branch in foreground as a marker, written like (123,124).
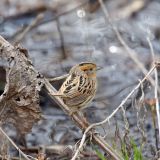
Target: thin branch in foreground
(10,140)
(156,86)
(111,115)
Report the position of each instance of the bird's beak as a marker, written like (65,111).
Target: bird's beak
(99,68)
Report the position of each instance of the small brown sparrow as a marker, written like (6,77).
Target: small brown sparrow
(80,86)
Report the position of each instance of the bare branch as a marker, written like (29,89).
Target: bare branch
(58,78)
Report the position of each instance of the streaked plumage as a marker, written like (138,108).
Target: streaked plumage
(80,86)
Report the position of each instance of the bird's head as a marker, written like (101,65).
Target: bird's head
(88,68)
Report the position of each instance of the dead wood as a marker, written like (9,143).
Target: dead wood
(19,103)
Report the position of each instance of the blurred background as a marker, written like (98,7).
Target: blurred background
(61,33)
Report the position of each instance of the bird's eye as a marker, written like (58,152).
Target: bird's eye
(91,69)
(84,70)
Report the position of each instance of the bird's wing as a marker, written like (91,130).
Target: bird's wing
(76,90)
(79,100)
(69,87)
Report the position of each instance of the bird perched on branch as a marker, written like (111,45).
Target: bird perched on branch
(80,86)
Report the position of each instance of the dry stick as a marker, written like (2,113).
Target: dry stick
(112,114)
(10,140)
(19,38)
(58,78)
(130,51)
(156,86)
(97,139)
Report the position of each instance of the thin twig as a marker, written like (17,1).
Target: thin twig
(10,140)
(141,121)
(64,54)
(80,147)
(112,114)
(58,78)
(156,86)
